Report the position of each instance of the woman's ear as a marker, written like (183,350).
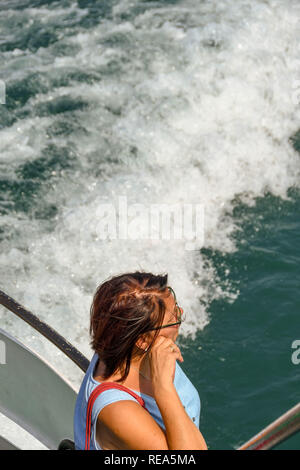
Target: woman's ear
(142,343)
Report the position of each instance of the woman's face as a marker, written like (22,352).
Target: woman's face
(170,317)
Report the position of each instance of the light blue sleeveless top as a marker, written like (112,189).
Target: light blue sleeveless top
(187,393)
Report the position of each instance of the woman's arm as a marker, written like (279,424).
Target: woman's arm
(127,425)
(181,432)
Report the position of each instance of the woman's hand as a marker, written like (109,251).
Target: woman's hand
(162,358)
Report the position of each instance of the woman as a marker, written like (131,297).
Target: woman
(134,325)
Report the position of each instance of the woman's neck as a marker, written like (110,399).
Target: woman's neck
(138,365)
(138,378)
(142,366)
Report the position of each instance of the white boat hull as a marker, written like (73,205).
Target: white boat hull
(34,395)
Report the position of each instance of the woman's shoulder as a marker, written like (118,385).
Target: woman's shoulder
(106,396)
(113,394)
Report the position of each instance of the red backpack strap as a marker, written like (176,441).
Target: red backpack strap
(96,392)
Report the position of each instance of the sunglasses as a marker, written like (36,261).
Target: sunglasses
(178,312)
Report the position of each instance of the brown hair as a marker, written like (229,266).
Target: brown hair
(125,307)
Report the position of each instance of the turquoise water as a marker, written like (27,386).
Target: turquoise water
(164,102)
(244,355)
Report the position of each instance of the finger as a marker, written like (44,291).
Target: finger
(169,345)
(162,342)
(177,355)
(177,352)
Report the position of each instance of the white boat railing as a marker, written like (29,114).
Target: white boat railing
(46,330)
(278,431)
